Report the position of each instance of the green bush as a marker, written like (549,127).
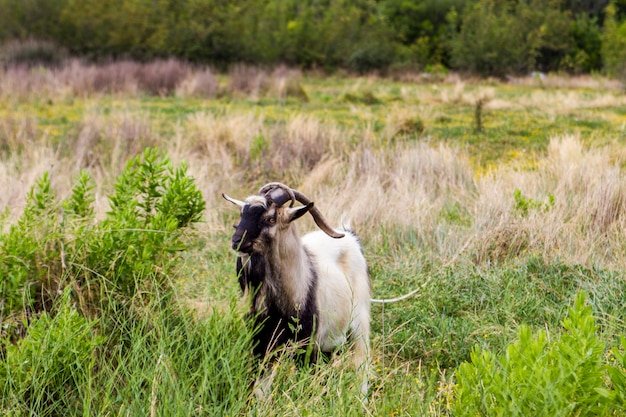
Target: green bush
(130,252)
(371,56)
(30,251)
(498,38)
(538,374)
(488,36)
(144,353)
(585,55)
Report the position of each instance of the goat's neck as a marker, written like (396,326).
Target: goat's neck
(290,268)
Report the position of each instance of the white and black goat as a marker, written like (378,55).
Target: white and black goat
(310,288)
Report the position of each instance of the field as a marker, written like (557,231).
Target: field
(499,201)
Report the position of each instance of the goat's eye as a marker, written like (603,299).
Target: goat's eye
(271,220)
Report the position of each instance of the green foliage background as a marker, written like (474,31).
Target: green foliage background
(489,37)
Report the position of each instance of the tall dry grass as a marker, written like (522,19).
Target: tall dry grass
(386,187)
(163,77)
(575,202)
(576,195)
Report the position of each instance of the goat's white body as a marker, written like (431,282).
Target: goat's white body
(343,294)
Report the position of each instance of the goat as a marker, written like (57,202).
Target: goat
(314,288)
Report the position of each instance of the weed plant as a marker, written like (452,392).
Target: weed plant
(540,375)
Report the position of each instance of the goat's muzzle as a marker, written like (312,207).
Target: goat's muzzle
(244,247)
(240,244)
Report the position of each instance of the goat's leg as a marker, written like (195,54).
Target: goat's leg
(360,335)
(263,385)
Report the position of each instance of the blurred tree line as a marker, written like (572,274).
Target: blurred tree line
(487,37)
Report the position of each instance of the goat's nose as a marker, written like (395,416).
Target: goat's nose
(236,242)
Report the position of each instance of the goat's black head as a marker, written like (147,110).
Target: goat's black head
(261,217)
(265,213)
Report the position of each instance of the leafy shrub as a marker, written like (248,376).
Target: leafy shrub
(586,55)
(152,205)
(478,45)
(156,356)
(371,56)
(537,375)
(130,252)
(30,251)
(79,203)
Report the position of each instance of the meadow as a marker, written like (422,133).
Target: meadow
(502,202)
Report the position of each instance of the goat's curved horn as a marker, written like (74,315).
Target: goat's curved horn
(320,221)
(267,188)
(234,201)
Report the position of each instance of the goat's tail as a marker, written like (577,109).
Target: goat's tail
(395,300)
(346,226)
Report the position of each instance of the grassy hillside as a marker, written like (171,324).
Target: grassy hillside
(500,202)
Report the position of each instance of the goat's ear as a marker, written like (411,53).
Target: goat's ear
(294,213)
(234,201)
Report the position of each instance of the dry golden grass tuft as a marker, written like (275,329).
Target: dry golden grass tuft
(574,208)
(20,171)
(16,133)
(76,78)
(299,146)
(19,83)
(287,82)
(402,187)
(161,77)
(216,148)
(255,82)
(202,83)
(405,122)
(106,141)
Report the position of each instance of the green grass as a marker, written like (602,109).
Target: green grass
(174,341)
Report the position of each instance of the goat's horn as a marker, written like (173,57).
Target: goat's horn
(297,195)
(234,201)
(273,185)
(320,221)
